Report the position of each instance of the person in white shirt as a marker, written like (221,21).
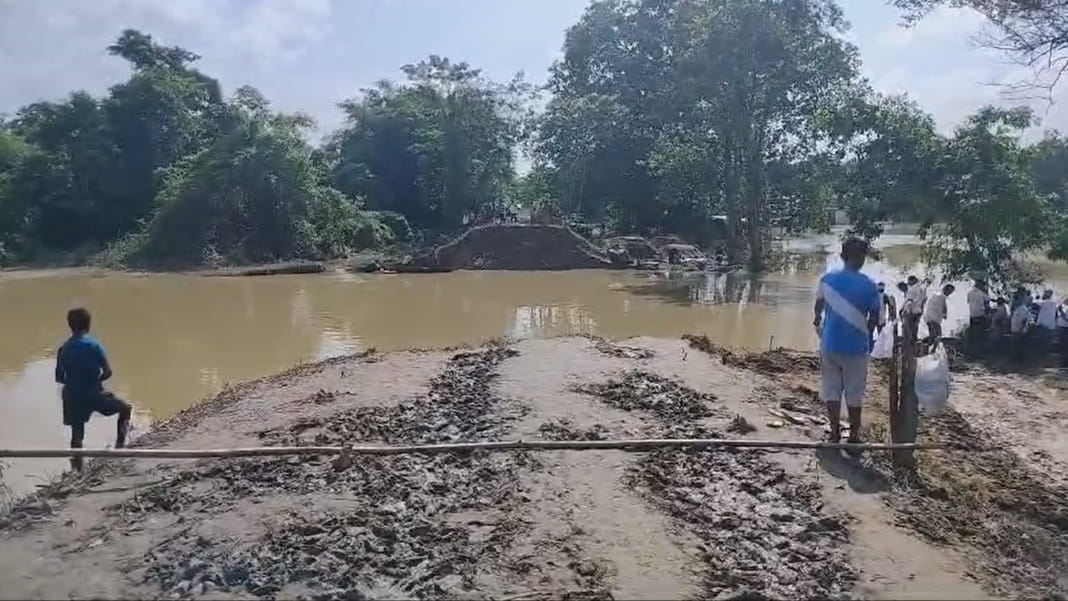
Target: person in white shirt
(1018,324)
(915,299)
(887,307)
(1021,317)
(935,312)
(999,319)
(1062,330)
(978,306)
(1047,312)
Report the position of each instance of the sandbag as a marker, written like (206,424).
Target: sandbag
(884,343)
(932,380)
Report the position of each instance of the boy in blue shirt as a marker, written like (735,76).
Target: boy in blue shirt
(82,367)
(847,308)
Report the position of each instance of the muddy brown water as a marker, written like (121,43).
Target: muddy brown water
(175,339)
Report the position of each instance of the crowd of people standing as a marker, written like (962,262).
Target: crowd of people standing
(1030,323)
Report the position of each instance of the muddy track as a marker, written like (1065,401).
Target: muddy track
(414,526)
(1008,519)
(773,362)
(1011,521)
(649,392)
(763,533)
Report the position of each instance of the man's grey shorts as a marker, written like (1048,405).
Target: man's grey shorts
(841,376)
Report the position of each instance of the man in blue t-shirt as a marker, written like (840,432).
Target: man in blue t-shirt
(81,367)
(847,308)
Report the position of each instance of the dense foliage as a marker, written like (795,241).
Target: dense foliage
(437,149)
(716,120)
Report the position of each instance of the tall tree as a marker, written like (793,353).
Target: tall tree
(987,213)
(254,194)
(165,111)
(437,149)
(742,79)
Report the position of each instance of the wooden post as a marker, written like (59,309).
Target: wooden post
(908,405)
(894,378)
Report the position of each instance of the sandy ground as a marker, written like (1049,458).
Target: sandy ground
(570,524)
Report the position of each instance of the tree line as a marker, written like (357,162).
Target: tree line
(701,118)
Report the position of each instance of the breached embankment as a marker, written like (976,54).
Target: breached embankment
(516,247)
(524,525)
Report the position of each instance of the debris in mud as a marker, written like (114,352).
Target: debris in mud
(775,361)
(337,556)
(640,390)
(1008,518)
(323,397)
(565,429)
(740,425)
(763,533)
(623,352)
(402,530)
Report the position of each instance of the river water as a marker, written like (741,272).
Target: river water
(175,339)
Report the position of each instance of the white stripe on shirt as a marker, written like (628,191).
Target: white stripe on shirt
(843,308)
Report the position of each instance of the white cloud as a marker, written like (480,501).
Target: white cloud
(48,48)
(308,54)
(938,64)
(944,24)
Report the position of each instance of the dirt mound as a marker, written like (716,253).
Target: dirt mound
(623,351)
(565,429)
(514,246)
(639,390)
(1011,520)
(776,361)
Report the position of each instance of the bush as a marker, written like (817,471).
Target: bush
(397,224)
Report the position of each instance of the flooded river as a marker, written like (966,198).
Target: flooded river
(175,339)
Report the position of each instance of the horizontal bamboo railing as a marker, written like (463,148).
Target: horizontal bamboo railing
(641,445)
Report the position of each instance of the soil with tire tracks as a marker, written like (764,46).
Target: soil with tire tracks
(764,535)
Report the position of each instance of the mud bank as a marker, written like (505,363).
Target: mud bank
(513,246)
(572,524)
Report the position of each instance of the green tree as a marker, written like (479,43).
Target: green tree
(890,152)
(164,112)
(93,166)
(437,149)
(60,185)
(647,86)
(986,213)
(1049,168)
(253,195)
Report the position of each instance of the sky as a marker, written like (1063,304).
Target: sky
(306,55)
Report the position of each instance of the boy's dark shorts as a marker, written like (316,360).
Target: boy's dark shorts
(78,406)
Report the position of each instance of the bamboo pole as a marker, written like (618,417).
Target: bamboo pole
(645,444)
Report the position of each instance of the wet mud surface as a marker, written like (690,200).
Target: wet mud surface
(565,429)
(416,526)
(1011,519)
(717,524)
(645,391)
(763,533)
(775,361)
